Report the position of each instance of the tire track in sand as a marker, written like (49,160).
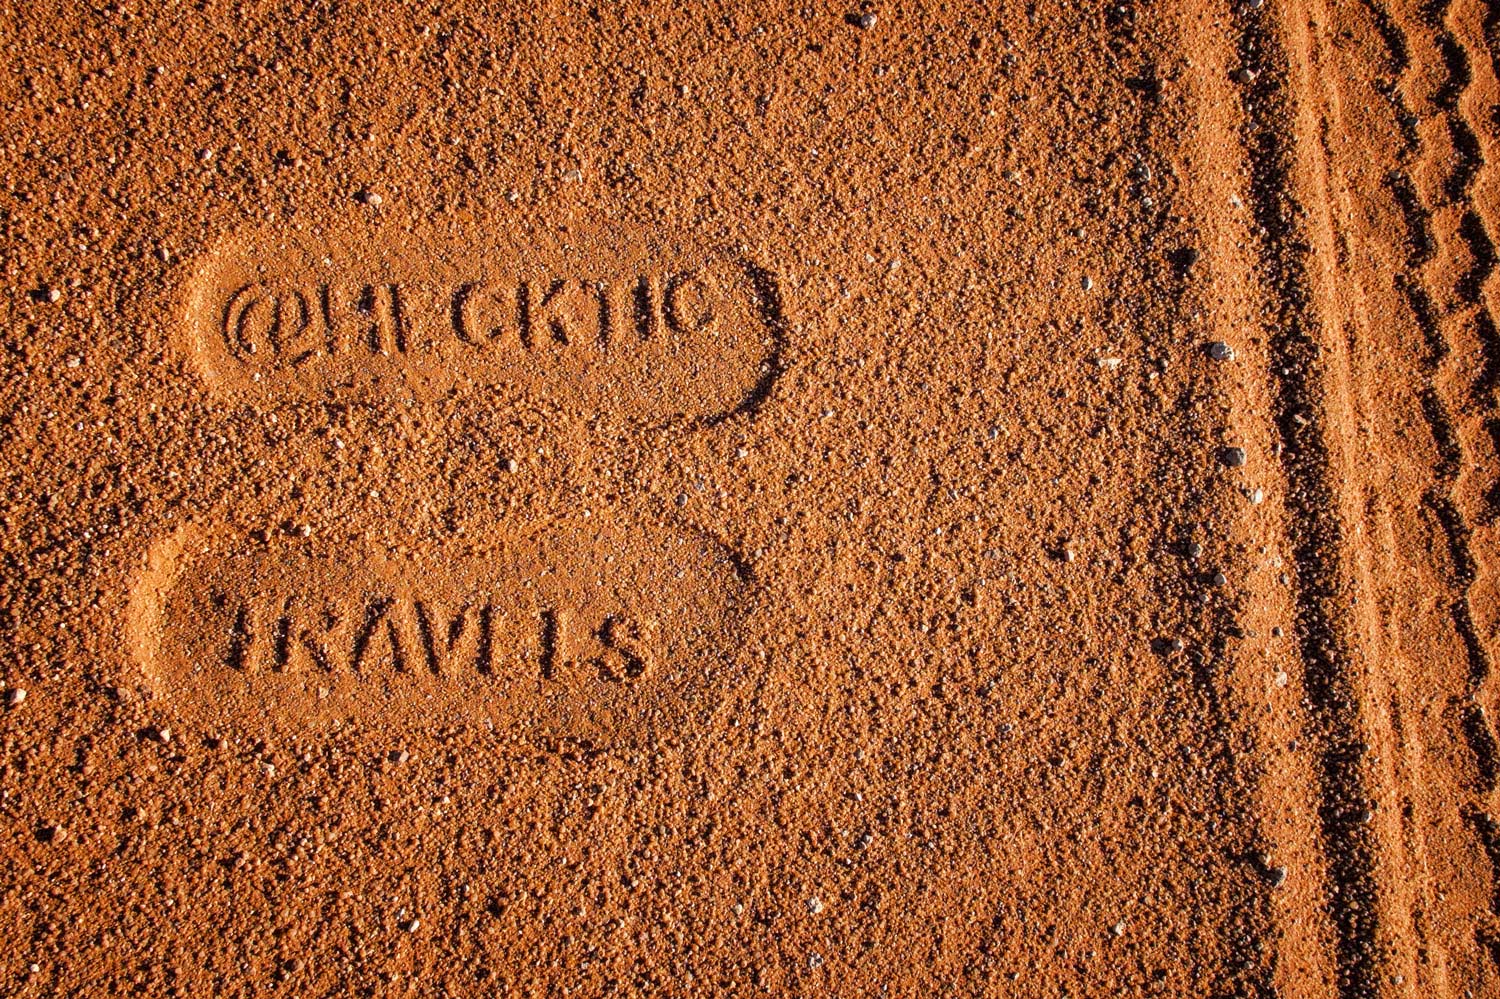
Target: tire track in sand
(1479,402)
(1315,533)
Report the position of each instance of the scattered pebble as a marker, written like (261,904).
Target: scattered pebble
(411,925)
(1118,929)
(1257,497)
(161,734)
(1232,457)
(400,756)
(14,697)
(370,198)
(51,833)
(864,21)
(509,464)
(52,294)
(1220,351)
(1088,283)
(814,905)
(1219,579)
(1192,549)
(1276,876)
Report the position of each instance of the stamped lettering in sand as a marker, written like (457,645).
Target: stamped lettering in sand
(654,328)
(591,632)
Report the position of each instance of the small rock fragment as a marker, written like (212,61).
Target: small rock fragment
(814,905)
(1232,457)
(14,697)
(1220,351)
(864,21)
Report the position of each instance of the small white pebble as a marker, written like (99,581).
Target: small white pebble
(15,696)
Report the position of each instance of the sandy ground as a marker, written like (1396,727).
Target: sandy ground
(733,500)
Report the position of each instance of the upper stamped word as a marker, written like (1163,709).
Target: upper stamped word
(650,328)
